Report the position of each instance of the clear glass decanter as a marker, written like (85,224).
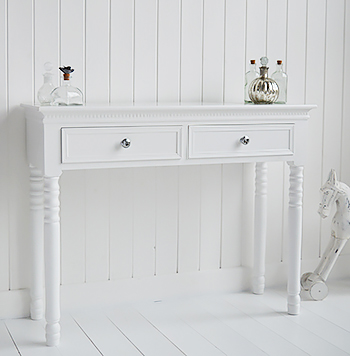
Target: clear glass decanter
(66,94)
(263,90)
(281,78)
(249,77)
(44,93)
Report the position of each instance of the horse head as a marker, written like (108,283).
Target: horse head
(328,192)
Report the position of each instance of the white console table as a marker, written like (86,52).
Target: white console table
(93,137)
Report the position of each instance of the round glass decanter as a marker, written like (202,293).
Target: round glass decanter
(67,94)
(263,90)
(44,93)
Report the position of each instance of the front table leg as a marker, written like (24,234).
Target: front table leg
(260,227)
(52,258)
(294,238)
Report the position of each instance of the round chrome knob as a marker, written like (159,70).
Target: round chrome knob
(125,143)
(244,140)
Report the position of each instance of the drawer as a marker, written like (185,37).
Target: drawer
(105,144)
(213,141)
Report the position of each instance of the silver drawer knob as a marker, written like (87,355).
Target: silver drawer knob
(244,140)
(125,143)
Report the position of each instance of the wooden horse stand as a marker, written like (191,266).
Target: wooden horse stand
(338,192)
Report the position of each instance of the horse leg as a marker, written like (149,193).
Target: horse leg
(314,282)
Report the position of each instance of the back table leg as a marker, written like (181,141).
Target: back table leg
(37,243)
(52,259)
(260,227)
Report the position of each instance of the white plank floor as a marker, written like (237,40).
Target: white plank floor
(226,324)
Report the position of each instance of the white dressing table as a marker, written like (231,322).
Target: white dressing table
(93,137)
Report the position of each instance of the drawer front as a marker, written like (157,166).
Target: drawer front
(110,144)
(213,141)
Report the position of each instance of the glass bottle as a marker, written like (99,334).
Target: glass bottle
(44,93)
(66,94)
(281,78)
(263,90)
(249,77)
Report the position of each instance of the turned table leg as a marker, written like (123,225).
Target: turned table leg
(260,227)
(52,259)
(37,243)
(294,238)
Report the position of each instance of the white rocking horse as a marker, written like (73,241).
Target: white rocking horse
(338,192)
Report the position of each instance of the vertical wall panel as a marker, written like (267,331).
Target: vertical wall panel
(4,199)
(97,51)
(46,40)
(256,30)
(276,32)
(213,50)
(275,210)
(345,172)
(72,52)
(333,98)
(295,61)
(145,50)
(231,218)
(247,226)
(276,49)
(73,221)
(168,50)
(315,52)
(97,225)
(333,87)
(234,51)
(345,152)
(167,207)
(144,222)
(20,89)
(121,223)
(189,218)
(72,42)
(210,224)
(122,41)
(191,51)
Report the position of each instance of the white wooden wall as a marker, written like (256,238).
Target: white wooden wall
(127,223)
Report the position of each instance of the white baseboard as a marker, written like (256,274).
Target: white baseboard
(15,304)
(154,288)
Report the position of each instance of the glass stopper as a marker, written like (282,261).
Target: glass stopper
(48,66)
(264,61)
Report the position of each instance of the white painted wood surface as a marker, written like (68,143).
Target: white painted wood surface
(4,174)
(220,324)
(60,139)
(333,98)
(260,219)
(313,48)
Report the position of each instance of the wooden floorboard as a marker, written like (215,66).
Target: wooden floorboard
(109,340)
(250,328)
(145,336)
(164,318)
(226,324)
(215,331)
(29,337)
(7,345)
